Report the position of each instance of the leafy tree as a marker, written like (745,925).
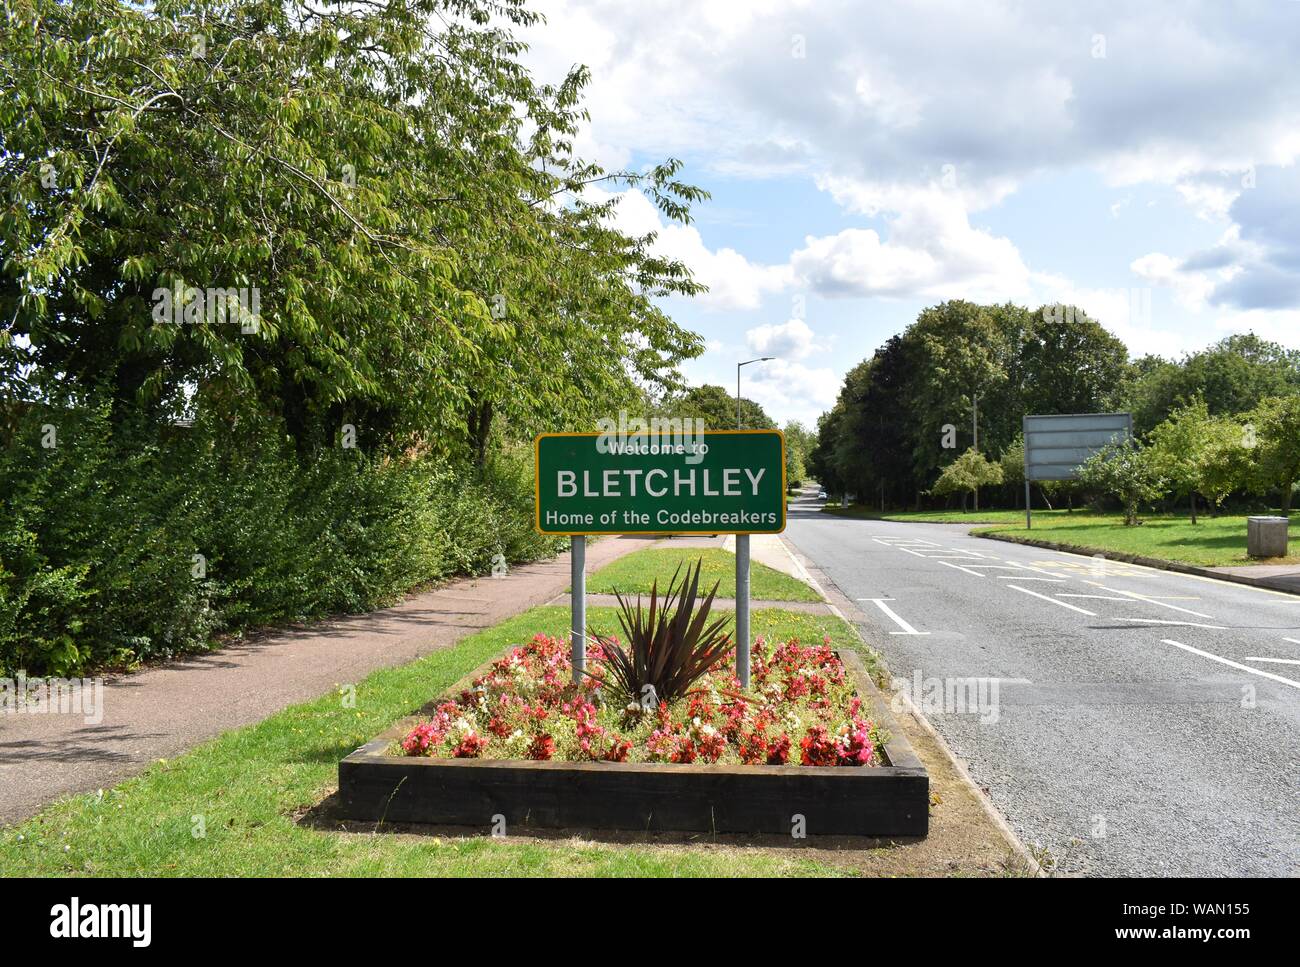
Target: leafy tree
(1228,459)
(399,191)
(1067,362)
(821,460)
(717,408)
(1232,376)
(967,474)
(798,445)
(1276,423)
(964,349)
(1127,472)
(1012,463)
(1179,449)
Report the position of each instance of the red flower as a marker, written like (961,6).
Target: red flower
(470,746)
(542,747)
(778,751)
(421,738)
(819,749)
(618,751)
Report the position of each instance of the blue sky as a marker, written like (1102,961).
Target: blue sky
(866,161)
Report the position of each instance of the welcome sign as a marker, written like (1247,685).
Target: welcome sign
(711,482)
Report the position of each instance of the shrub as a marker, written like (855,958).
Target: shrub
(124,543)
(670,646)
(1126,471)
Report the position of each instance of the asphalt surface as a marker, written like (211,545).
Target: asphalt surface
(1127,721)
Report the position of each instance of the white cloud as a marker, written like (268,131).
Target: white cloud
(734,282)
(1190,289)
(998,88)
(915,115)
(931,251)
(1280,325)
(790,340)
(1127,312)
(791,390)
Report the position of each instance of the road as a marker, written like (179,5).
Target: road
(1130,721)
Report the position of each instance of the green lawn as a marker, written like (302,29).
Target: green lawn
(248,784)
(1214,541)
(635,572)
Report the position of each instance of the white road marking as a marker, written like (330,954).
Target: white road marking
(1277,661)
(1162,573)
(1232,664)
(1098,597)
(899,547)
(962,568)
(1017,577)
(1294,641)
(907,629)
(1142,597)
(1091,614)
(1178,624)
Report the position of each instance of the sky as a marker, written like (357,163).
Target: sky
(869,159)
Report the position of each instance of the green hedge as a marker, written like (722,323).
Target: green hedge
(98,535)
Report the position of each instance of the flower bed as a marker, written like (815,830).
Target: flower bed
(801,709)
(522,746)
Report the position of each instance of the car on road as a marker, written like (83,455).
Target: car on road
(821,495)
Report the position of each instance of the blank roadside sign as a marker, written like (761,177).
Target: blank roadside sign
(1056,446)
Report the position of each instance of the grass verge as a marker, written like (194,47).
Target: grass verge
(1213,542)
(227,807)
(634,573)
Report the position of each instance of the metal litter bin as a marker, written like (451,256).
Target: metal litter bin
(1266,536)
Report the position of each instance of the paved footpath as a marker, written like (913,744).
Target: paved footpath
(162,711)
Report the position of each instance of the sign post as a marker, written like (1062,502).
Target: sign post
(1056,446)
(709,482)
(578,608)
(742,609)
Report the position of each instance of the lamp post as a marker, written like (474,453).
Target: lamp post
(760,359)
(742,567)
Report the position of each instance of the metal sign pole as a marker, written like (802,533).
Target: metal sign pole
(578,605)
(742,609)
(1029,514)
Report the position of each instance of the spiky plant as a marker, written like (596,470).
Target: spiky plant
(670,646)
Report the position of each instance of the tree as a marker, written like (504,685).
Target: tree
(1067,362)
(1276,425)
(821,461)
(1127,472)
(1179,449)
(1012,463)
(1232,376)
(962,350)
(798,445)
(967,474)
(717,408)
(1228,463)
(399,192)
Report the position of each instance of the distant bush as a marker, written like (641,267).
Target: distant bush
(121,544)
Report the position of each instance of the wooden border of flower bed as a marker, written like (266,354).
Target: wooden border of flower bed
(886,800)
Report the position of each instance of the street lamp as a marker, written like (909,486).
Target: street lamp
(760,359)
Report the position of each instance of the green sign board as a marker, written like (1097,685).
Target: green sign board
(712,482)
